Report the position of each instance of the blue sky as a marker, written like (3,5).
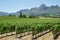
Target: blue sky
(16,5)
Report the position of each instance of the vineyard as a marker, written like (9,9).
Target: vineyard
(21,27)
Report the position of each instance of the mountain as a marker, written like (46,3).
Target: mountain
(42,10)
(3,14)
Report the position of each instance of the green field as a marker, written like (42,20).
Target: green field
(34,25)
(5,19)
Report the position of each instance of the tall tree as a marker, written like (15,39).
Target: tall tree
(20,14)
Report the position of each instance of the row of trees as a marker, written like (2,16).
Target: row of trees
(23,15)
(36,16)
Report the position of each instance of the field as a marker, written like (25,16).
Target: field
(37,20)
(35,27)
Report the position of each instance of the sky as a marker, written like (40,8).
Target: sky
(16,5)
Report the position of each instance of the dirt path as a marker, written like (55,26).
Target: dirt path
(9,38)
(48,36)
(29,37)
(58,38)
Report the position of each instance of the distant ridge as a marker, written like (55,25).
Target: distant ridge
(42,10)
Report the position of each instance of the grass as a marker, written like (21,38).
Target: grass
(12,20)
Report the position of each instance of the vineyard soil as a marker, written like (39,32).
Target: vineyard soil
(48,36)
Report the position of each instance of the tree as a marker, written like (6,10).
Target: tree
(24,16)
(10,15)
(20,14)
